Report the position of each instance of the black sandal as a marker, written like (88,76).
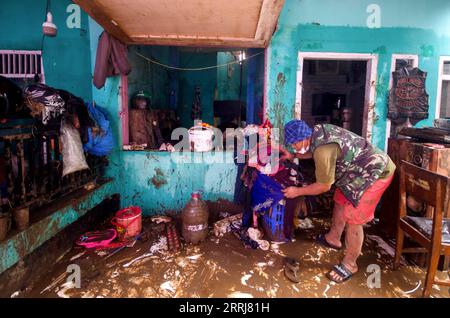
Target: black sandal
(321,239)
(342,271)
(291,269)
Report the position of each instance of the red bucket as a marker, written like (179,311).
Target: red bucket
(128,222)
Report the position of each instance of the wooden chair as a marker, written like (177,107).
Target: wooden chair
(432,233)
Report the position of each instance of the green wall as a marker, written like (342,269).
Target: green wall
(148,76)
(228,78)
(66,56)
(407,27)
(188,80)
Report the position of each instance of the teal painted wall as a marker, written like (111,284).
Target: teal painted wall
(407,27)
(228,78)
(66,56)
(188,80)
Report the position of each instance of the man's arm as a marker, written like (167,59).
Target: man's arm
(312,189)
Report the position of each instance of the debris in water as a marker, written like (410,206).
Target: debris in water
(65,287)
(168,286)
(15,294)
(244,279)
(238,294)
(77,256)
(194,257)
(413,290)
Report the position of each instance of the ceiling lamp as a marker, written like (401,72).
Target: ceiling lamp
(48,27)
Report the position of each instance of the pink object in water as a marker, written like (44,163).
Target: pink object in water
(128,222)
(97,239)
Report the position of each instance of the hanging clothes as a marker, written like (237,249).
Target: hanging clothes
(111,59)
(197,105)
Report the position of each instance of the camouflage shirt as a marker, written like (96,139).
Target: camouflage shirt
(359,165)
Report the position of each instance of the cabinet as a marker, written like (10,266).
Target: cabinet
(432,157)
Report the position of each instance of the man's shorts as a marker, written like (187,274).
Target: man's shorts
(365,210)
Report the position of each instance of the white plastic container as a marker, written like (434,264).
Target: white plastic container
(201,138)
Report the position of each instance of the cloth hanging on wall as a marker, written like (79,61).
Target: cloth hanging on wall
(111,59)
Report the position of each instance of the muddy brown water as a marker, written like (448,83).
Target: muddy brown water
(223,267)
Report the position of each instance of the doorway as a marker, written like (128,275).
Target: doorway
(337,88)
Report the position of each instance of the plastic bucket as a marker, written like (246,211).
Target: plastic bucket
(273,223)
(128,222)
(201,139)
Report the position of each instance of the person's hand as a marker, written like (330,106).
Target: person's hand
(286,155)
(291,192)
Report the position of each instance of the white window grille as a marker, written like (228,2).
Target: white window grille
(21,64)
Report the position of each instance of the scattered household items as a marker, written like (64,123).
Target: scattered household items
(128,222)
(195,219)
(161,219)
(201,137)
(45,103)
(100,137)
(427,134)
(408,99)
(97,239)
(229,113)
(431,231)
(167,147)
(111,59)
(72,150)
(21,218)
(5,225)
(173,241)
(242,234)
(196,112)
(256,235)
(48,27)
(291,269)
(304,224)
(224,226)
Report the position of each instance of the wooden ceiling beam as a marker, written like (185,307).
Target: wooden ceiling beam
(177,40)
(96,13)
(268,19)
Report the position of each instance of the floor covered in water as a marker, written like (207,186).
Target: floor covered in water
(223,267)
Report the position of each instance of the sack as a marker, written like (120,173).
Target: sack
(100,139)
(72,150)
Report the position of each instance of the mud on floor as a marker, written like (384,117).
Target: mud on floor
(223,267)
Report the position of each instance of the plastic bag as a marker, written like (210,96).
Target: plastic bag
(72,150)
(100,139)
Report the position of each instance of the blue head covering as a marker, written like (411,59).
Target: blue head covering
(295,131)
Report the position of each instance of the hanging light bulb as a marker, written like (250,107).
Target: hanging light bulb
(48,27)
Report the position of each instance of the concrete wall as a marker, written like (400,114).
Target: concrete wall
(66,56)
(419,27)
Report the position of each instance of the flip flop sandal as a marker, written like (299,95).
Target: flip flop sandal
(343,272)
(292,274)
(292,264)
(323,241)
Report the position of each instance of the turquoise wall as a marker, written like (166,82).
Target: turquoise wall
(148,76)
(66,56)
(188,80)
(419,27)
(228,78)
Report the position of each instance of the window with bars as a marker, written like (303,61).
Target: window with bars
(21,64)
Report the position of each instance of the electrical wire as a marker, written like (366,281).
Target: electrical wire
(194,68)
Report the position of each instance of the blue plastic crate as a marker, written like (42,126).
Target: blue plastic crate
(273,223)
